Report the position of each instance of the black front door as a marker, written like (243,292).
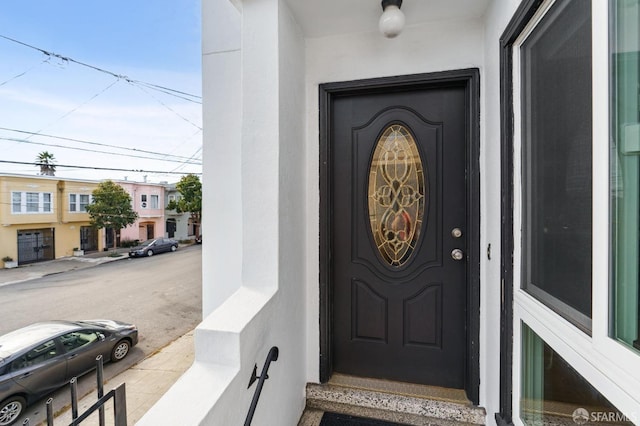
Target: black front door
(399,232)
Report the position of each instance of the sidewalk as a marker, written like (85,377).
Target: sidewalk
(63,264)
(147,380)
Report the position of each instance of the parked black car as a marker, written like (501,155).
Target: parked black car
(151,247)
(42,357)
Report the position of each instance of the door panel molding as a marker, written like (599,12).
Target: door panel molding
(470,80)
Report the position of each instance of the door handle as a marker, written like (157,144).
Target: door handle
(25,375)
(457,254)
(72,356)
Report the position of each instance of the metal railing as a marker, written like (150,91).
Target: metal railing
(119,402)
(271,356)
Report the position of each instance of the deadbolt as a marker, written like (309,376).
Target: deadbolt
(456,232)
(457,254)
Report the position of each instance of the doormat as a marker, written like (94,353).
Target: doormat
(335,419)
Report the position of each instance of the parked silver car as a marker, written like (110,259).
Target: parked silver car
(42,357)
(153,246)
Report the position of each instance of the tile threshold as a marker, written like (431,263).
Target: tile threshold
(403,403)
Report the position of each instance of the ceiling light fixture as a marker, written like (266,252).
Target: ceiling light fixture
(392,19)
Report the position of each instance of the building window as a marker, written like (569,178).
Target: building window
(46,202)
(154,202)
(31,202)
(556,144)
(143,201)
(625,171)
(85,200)
(554,393)
(16,202)
(78,202)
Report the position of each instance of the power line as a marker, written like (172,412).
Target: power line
(102,168)
(167,90)
(95,150)
(22,73)
(185,163)
(76,108)
(169,108)
(99,144)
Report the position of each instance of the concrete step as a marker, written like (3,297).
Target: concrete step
(390,401)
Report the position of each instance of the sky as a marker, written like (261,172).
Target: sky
(119,87)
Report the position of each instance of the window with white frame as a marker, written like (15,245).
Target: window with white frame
(576,171)
(155,202)
(78,202)
(31,202)
(625,172)
(143,201)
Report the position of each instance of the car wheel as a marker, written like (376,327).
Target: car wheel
(149,253)
(174,248)
(120,351)
(11,409)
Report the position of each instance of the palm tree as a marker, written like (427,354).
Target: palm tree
(46,162)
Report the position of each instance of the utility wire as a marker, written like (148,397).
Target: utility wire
(170,91)
(185,163)
(162,154)
(160,89)
(101,168)
(63,116)
(23,73)
(169,108)
(94,150)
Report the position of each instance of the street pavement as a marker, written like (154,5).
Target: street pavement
(146,381)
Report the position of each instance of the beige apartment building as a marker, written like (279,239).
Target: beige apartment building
(43,218)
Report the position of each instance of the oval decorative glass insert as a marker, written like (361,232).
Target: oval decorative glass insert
(396,195)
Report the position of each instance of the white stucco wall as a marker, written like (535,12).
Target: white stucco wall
(222,133)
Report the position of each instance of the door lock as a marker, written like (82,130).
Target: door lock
(456,232)
(457,254)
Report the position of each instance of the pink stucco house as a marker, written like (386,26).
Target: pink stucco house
(148,202)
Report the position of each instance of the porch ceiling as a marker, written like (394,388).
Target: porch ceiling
(319,18)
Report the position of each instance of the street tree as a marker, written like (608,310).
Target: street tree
(111,208)
(46,161)
(190,189)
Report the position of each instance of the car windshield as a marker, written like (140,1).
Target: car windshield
(148,242)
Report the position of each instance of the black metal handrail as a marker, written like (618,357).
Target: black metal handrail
(271,356)
(119,402)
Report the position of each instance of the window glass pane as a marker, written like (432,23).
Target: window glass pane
(35,356)
(33,200)
(46,202)
(72,202)
(396,196)
(154,201)
(625,170)
(556,154)
(554,393)
(84,201)
(16,201)
(77,339)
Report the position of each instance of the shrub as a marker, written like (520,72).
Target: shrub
(129,243)
(7,259)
